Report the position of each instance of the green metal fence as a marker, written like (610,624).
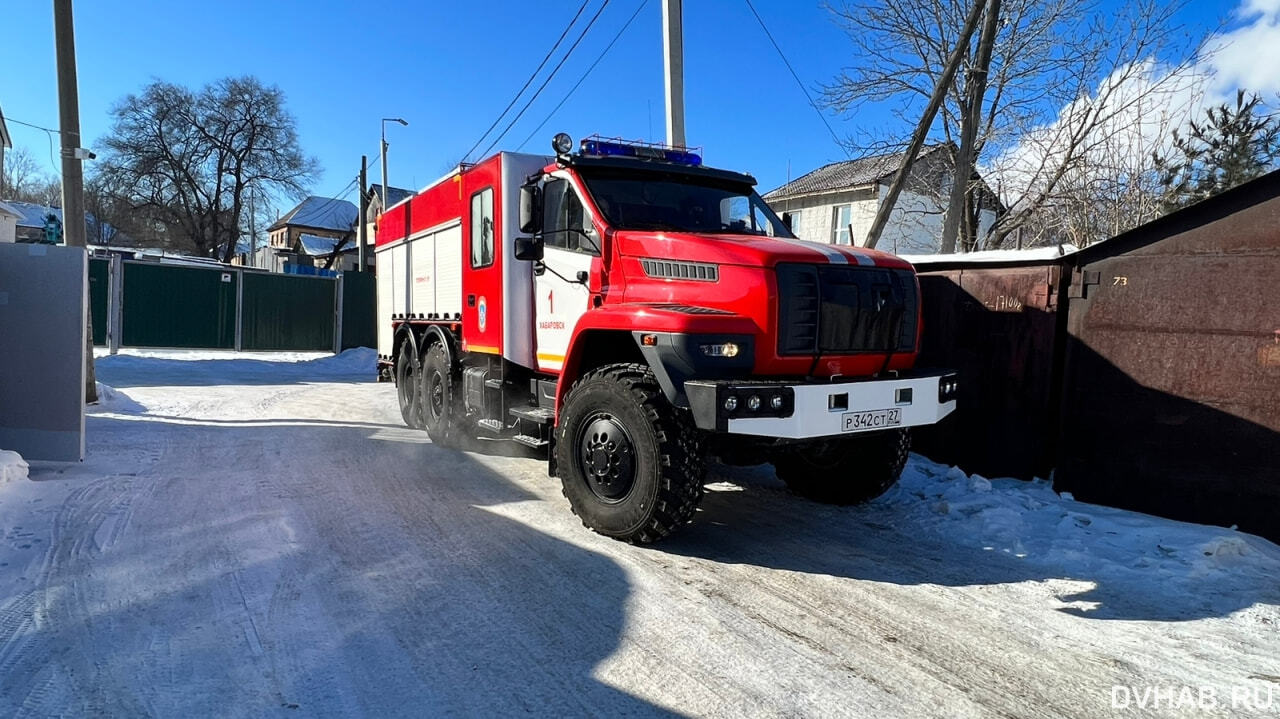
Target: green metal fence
(174,306)
(99,290)
(166,305)
(287,312)
(359,310)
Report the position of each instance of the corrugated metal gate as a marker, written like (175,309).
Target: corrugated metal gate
(150,304)
(287,312)
(174,306)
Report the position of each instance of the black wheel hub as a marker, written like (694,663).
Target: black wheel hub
(435,395)
(608,458)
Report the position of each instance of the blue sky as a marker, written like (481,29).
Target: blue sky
(450,68)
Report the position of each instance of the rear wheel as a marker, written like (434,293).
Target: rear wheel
(407,384)
(437,395)
(631,464)
(847,470)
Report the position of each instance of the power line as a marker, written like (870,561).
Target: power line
(543,86)
(48,133)
(585,74)
(529,82)
(803,89)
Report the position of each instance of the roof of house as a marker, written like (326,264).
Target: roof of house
(317,246)
(396,195)
(321,213)
(32,215)
(11,211)
(5,140)
(846,174)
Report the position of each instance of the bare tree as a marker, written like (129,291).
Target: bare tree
(1044,85)
(185,161)
(24,181)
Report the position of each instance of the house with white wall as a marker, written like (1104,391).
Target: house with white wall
(8,223)
(836,203)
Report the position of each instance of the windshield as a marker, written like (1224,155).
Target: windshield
(681,203)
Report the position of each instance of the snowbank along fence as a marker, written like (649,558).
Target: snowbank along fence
(149,304)
(1143,372)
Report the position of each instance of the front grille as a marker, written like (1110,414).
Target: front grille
(840,309)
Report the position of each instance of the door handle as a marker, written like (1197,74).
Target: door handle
(471,300)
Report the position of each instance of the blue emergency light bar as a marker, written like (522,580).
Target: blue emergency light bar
(609,148)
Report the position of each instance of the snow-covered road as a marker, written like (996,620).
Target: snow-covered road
(251,538)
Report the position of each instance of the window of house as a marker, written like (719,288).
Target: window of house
(482,239)
(842,215)
(564,220)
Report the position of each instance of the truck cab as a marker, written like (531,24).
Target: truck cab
(635,312)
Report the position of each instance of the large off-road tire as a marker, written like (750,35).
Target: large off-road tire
(847,470)
(631,464)
(408,382)
(437,396)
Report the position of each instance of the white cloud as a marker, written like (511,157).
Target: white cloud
(1143,102)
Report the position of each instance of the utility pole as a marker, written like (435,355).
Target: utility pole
(253,232)
(73,228)
(362,231)
(673,67)
(385,120)
(922,128)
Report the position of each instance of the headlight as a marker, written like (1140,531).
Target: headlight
(731,403)
(753,403)
(776,402)
(727,349)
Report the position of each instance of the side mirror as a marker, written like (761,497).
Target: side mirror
(530,208)
(786,220)
(529,249)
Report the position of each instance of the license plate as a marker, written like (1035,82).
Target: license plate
(871,419)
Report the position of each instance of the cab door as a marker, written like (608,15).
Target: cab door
(570,251)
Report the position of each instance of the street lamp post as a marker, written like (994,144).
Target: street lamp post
(385,120)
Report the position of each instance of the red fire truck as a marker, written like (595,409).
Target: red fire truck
(633,312)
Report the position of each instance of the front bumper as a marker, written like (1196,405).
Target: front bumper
(808,410)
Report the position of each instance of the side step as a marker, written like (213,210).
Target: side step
(491,425)
(529,441)
(541,415)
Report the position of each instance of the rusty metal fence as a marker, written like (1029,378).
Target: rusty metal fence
(1143,372)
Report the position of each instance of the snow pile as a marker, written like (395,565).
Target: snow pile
(1031,523)
(12,466)
(111,399)
(180,367)
(1034,254)
(358,363)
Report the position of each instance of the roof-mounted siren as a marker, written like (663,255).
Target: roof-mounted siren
(597,146)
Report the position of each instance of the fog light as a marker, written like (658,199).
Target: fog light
(728,349)
(776,402)
(753,403)
(731,403)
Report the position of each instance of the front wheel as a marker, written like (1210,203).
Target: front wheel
(631,465)
(847,470)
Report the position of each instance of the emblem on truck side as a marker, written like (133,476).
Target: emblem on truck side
(484,313)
